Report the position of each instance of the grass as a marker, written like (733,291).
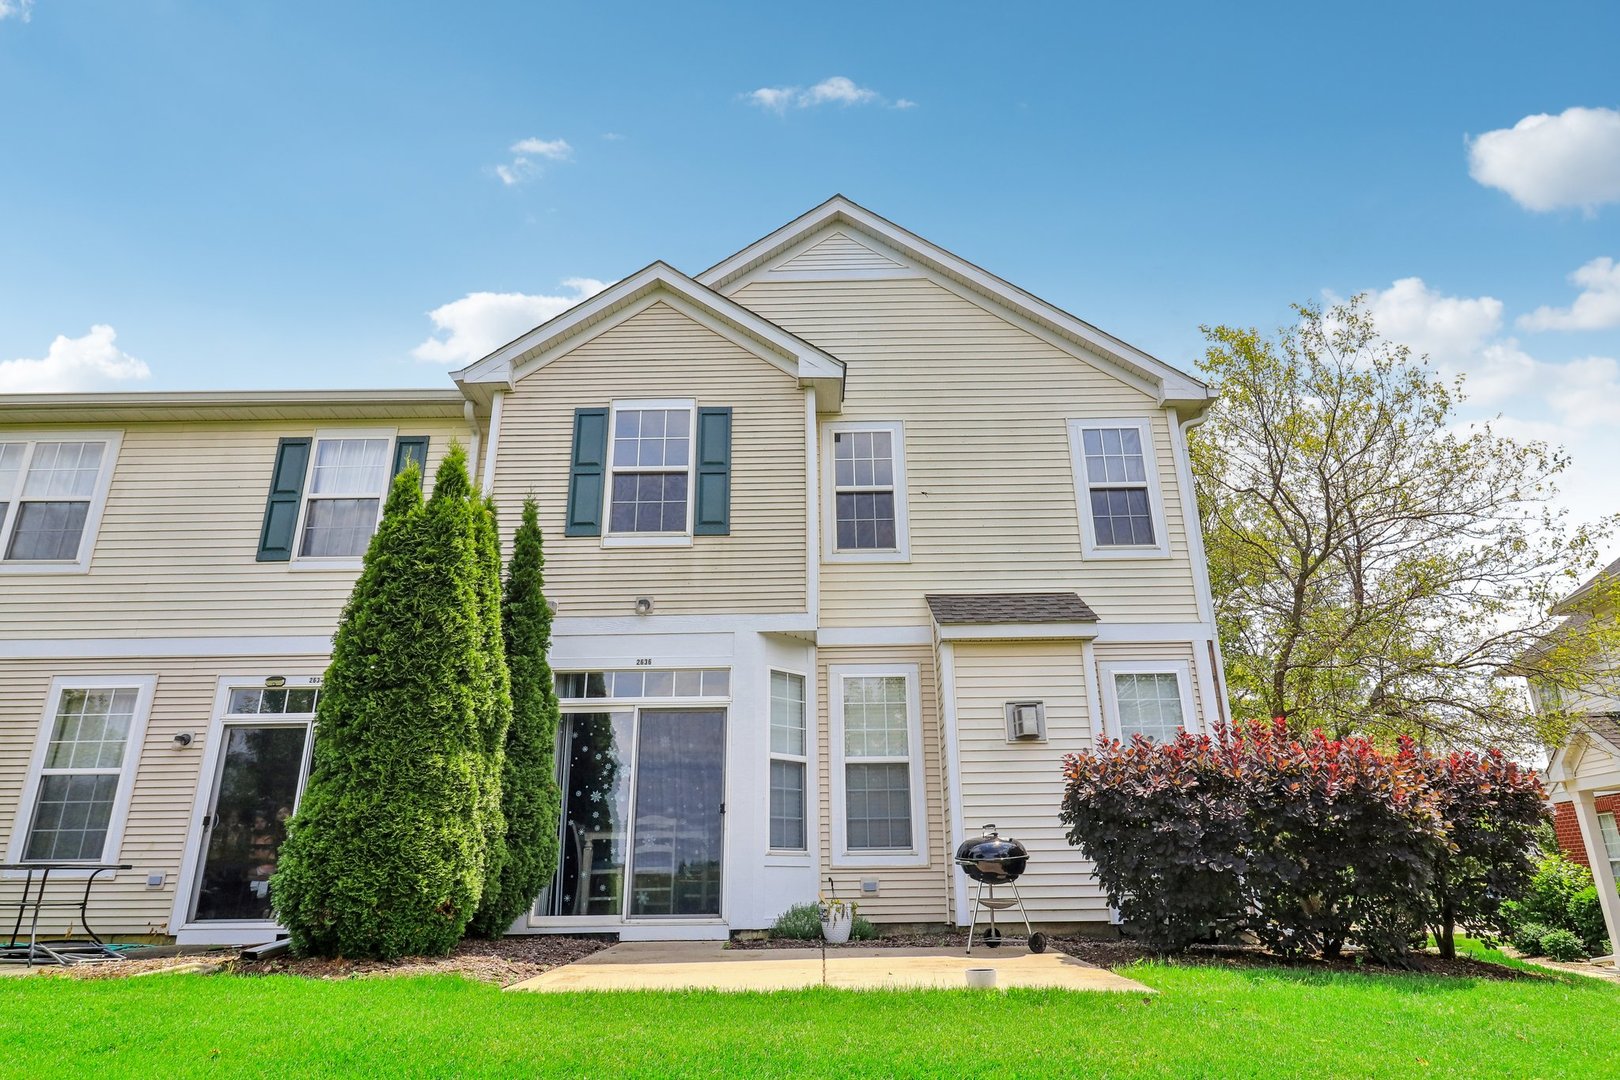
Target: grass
(1205,1022)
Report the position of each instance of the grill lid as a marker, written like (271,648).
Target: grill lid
(992,858)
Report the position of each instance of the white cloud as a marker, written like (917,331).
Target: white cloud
(1447,328)
(1461,335)
(21,10)
(1584,391)
(86,363)
(523,166)
(471,328)
(550,149)
(1596,308)
(836,90)
(1550,162)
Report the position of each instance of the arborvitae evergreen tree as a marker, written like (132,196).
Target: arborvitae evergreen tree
(496,685)
(386,855)
(529,790)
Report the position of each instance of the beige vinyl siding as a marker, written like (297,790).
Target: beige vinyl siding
(175,554)
(166,784)
(1595,760)
(906,894)
(1019,785)
(990,484)
(1190,652)
(662,353)
(838,252)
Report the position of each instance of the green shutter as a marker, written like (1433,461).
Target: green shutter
(408,449)
(712,511)
(281,507)
(586,473)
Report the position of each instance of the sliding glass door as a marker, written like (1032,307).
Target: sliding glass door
(642,804)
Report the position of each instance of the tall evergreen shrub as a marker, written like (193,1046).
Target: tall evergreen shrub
(529,793)
(387,853)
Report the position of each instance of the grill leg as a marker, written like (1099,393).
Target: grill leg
(1021,910)
(973,925)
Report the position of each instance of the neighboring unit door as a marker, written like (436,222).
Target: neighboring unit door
(260,778)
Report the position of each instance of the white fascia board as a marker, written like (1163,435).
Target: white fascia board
(1044,631)
(1175,386)
(659,281)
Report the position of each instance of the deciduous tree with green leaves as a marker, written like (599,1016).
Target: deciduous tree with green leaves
(1376,565)
(529,793)
(388,852)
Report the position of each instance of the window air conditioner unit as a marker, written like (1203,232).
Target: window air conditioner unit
(1026,721)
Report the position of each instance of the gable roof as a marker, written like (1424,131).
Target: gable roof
(1175,387)
(1608,573)
(659,281)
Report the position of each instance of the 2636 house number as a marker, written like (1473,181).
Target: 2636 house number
(645,661)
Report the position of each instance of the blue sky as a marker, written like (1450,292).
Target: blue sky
(211,195)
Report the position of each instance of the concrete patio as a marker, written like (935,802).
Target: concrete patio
(708,965)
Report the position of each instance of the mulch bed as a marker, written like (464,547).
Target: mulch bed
(1117,952)
(503,962)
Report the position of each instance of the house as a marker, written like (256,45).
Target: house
(1583,774)
(850,541)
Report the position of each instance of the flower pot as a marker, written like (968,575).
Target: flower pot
(981,978)
(836,924)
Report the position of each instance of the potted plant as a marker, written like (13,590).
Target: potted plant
(837,916)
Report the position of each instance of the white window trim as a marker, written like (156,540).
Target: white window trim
(228,931)
(92,518)
(1181,669)
(829,496)
(917,854)
(801,854)
(144,686)
(682,539)
(1089,547)
(315,562)
(1612,855)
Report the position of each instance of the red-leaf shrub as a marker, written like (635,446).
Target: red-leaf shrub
(1305,843)
(1344,840)
(1492,808)
(1164,825)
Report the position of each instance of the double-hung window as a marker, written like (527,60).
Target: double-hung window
(51,495)
(1116,487)
(878,815)
(77,789)
(1611,842)
(789,763)
(348,480)
(650,461)
(866,508)
(1148,698)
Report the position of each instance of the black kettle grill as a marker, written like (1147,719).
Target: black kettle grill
(992,860)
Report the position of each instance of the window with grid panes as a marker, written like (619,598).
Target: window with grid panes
(651,462)
(877,763)
(46,490)
(1149,704)
(1117,487)
(789,763)
(348,479)
(78,783)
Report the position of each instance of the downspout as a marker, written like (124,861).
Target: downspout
(469,413)
(488,485)
(1200,561)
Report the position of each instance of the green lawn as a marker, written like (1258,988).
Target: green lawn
(1205,1022)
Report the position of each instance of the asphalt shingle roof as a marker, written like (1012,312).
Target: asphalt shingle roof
(1029,607)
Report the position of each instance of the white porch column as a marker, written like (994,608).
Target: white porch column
(1598,854)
